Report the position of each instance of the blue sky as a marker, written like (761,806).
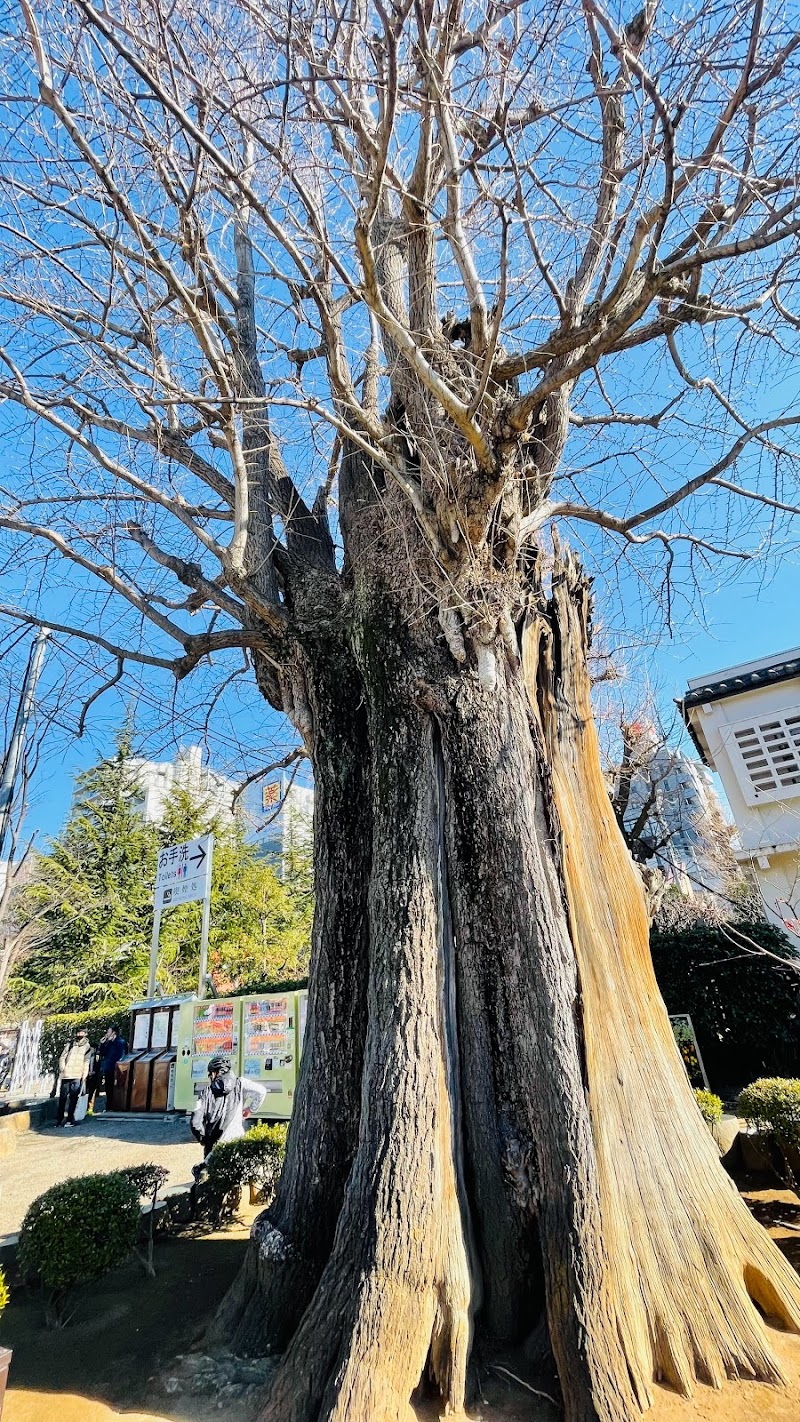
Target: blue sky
(749,618)
(715,622)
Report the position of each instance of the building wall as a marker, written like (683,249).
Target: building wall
(289,829)
(686,821)
(768,827)
(158,779)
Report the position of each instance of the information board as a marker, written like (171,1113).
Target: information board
(684,1034)
(159,1034)
(184,872)
(141,1031)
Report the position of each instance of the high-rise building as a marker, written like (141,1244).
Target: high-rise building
(277,814)
(156,781)
(283,819)
(676,816)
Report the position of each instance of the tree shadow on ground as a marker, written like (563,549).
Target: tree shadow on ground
(126,1327)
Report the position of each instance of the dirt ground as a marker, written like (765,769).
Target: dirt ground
(131,1339)
(45,1157)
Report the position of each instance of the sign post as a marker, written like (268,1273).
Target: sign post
(183,876)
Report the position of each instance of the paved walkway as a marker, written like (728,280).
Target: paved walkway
(45,1157)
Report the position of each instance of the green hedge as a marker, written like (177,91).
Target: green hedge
(58,1031)
(744,1006)
(76,1232)
(772,1104)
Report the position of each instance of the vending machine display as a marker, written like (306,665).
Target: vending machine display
(269,1049)
(205,1030)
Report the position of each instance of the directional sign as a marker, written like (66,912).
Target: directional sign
(184,872)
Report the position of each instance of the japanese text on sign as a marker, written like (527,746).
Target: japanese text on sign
(184,872)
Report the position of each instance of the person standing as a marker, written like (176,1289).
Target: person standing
(110,1049)
(73,1069)
(223,1108)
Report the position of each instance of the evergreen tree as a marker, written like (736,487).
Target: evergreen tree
(260,924)
(92,896)
(91,899)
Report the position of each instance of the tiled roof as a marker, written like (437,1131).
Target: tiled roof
(717,688)
(733,683)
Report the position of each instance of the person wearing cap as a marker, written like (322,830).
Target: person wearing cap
(223,1107)
(73,1069)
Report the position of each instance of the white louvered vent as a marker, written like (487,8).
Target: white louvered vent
(769,751)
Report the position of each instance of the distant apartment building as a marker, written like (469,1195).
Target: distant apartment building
(156,781)
(283,819)
(677,816)
(745,722)
(278,814)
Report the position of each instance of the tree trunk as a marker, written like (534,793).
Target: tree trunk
(396,1288)
(525,1130)
(686,1259)
(288,1252)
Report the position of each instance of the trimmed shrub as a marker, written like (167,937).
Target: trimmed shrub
(4,1292)
(710,1107)
(772,1105)
(76,1232)
(255,1159)
(147,1180)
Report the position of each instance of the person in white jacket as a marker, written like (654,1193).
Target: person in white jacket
(223,1107)
(73,1069)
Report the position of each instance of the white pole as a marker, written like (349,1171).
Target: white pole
(16,745)
(206,923)
(151,981)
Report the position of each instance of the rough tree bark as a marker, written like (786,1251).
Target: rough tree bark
(262,1310)
(526,1133)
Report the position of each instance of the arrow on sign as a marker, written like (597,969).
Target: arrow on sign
(198,858)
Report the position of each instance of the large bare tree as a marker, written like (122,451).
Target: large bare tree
(320,320)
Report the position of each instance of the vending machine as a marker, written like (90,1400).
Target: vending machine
(270,1049)
(205,1030)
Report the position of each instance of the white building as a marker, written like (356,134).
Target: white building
(684,826)
(278,815)
(745,722)
(157,780)
(284,821)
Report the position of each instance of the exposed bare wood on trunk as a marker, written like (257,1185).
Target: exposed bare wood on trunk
(687,1260)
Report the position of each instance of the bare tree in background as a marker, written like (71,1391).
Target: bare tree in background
(667,813)
(319,323)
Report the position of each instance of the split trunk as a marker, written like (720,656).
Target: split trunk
(492,1120)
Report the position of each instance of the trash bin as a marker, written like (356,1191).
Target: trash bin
(139,1098)
(163,1067)
(123,1081)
